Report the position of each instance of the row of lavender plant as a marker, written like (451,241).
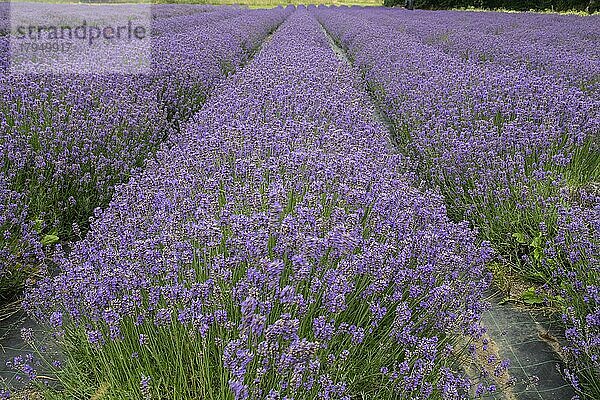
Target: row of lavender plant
(275,252)
(181,22)
(160,11)
(212,46)
(516,154)
(67,140)
(564,47)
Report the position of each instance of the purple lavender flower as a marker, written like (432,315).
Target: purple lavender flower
(277,226)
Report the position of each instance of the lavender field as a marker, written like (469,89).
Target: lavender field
(305,203)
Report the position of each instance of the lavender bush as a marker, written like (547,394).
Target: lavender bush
(560,46)
(575,255)
(510,148)
(67,140)
(275,251)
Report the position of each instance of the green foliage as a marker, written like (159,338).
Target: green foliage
(49,239)
(530,297)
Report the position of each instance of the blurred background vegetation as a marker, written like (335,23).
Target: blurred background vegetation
(503,5)
(579,6)
(517,5)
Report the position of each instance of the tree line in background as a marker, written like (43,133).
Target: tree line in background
(519,5)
